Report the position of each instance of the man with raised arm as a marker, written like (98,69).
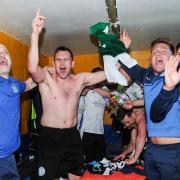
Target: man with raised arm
(60,150)
(163,148)
(169,96)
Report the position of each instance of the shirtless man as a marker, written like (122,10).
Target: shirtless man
(60,143)
(137,122)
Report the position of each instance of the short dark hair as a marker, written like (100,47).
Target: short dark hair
(97,69)
(63,48)
(164,41)
(177,46)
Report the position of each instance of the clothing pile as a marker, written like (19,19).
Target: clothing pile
(105,166)
(107,169)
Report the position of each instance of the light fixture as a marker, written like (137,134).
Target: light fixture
(113,17)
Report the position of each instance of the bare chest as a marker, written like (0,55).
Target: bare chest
(64,91)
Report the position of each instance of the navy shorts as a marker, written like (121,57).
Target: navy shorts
(162,161)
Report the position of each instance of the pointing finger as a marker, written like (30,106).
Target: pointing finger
(38,12)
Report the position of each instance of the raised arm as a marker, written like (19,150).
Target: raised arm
(172,73)
(169,93)
(36,72)
(125,38)
(30,84)
(93,78)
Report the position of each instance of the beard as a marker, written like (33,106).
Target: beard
(4,71)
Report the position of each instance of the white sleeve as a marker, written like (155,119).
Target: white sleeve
(126,60)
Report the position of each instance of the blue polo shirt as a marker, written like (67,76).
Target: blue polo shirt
(10,91)
(169,124)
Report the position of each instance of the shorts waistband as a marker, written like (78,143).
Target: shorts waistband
(163,146)
(63,130)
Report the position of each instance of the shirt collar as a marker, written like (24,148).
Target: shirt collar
(151,76)
(162,74)
(2,79)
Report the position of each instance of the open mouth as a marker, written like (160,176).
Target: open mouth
(159,62)
(62,69)
(3,61)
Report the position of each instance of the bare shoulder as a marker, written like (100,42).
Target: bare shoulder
(49,70)
(48,73)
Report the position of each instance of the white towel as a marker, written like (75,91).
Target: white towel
(111,71)
(126,60)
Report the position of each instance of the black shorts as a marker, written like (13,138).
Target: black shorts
(60,153)
(94,146)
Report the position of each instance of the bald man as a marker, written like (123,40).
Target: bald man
(10,91)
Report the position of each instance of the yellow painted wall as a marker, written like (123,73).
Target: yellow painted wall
(143,57)
(85,63)
(19,54)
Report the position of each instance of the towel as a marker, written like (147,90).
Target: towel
(109,43)
(111,71)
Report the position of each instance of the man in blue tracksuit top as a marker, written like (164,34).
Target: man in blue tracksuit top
(169,95)
(162,158)
(10,91)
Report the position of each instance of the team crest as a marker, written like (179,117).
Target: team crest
(14,88)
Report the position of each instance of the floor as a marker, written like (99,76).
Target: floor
(28,170)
